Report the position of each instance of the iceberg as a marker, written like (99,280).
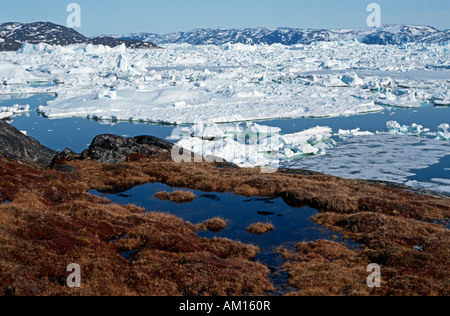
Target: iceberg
(443,132)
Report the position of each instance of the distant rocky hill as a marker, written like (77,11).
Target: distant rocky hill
(387,35)
(13,34)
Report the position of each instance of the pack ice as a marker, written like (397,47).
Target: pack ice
(251,144)
(228,83)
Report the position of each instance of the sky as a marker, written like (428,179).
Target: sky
(166,16)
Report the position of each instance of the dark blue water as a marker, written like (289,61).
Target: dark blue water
(437,171)
(292,225)
(428,116)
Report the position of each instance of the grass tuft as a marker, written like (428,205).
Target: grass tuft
(260,228)
(177,196)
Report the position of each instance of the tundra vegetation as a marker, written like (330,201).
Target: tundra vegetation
(51,220)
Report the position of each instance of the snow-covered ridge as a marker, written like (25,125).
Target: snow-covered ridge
(387,35)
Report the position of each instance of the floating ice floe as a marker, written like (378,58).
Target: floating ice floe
(353,132)
(394,128)
(7,112)
(186,106)
(442,99)
(401,98)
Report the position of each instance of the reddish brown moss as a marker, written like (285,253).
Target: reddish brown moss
(177,196)
(326,268)
(52,221)
(169,258)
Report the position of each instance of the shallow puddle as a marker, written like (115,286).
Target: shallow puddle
(292,225)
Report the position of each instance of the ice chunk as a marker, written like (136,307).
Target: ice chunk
(395,128)
(443,132)
(14,74)
(353,132)
(313,135)
(107,95)
(180,104)
(7,112)
(352,79)
(40,48)
(401,98)
(251,145)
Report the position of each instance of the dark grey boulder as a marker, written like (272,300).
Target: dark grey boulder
(156,143)
(117,149)
(16,145)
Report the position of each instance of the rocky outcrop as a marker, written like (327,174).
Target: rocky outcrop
(7,45)
(16,145)
(114,42)
(117,149)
